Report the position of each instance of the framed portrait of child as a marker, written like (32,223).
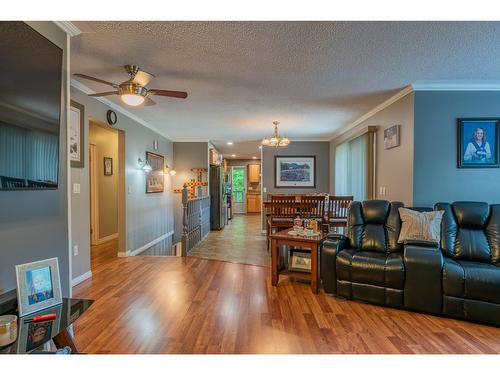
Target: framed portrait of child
(38,286)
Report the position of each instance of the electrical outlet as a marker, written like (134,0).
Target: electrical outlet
(130,189)
(75,250)
(264,190)
(76,188)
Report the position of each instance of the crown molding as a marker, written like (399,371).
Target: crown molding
(68,27)
(86,90)
(456,86)
(400,94)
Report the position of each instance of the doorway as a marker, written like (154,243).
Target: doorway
(107,192)
(238,184)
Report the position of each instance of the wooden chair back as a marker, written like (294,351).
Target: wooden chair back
(315,205)
(338,208)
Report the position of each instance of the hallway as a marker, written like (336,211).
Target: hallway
(241,241)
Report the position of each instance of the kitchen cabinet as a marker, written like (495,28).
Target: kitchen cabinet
(253,203)
(254,173)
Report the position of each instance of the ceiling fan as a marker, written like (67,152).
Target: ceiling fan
(133,91)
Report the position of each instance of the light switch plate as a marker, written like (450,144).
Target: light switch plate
(75,250)
(76,188)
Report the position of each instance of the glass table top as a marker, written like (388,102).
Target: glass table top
(32,335)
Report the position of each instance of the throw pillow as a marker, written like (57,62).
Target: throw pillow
(420,226)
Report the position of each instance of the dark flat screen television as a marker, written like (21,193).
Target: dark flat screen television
(30,108)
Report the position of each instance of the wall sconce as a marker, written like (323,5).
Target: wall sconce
(144,165)
(172,172)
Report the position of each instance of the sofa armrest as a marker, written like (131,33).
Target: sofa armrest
(332,244)
(422,243)
(423,266)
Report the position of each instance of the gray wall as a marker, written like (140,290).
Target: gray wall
(187,155)
(319,149)
(34,224)
(394,167)
(149,216)
(436,176)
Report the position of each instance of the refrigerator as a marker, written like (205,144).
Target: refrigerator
(217,188)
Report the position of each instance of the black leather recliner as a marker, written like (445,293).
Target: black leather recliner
(470,243)
(368,265)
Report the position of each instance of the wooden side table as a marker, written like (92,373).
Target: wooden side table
(283,238)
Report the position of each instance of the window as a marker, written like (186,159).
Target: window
(354,167)
(238,184)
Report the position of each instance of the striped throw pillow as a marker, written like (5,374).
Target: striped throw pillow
(420,226)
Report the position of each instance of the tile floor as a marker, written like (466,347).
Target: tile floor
(241,241)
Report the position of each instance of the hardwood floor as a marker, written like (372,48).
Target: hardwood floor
(194,305)
(103,253)
(241,241)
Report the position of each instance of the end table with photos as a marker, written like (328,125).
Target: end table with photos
(290,240)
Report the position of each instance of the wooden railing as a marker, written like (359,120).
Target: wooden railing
(195,220)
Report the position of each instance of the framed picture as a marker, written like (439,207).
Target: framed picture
(478,141)
(391,137)
(108,166)
(155,178)
(295,172)
(299,260)
(38,286)
(76,134)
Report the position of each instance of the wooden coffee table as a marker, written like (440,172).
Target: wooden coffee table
(311,242)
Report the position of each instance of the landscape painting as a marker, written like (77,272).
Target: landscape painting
(295,172)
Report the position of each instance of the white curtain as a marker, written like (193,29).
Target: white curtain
(341,168)
(351,168)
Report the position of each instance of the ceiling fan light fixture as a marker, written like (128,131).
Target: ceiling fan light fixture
(132,99)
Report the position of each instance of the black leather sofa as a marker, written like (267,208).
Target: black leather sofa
(459,277)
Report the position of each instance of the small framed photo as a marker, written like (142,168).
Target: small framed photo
(108,166)
(155,178)
(76,134)
(391,137)
(38,286)
(478,142)
(299,260)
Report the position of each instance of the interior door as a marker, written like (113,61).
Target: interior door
(238,185)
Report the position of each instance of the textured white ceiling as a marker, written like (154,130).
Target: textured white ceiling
(314,77)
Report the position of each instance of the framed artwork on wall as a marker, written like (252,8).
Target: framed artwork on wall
(155,178)
(391,137)
(108,166)
(76,134)
(38,286)
(478,142)
(295,172)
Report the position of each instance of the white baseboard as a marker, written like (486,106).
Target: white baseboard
(107,238)
(80,279)
(131,253)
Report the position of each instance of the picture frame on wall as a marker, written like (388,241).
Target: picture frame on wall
(478,142)
(76,135)
(38,286)
(295,172)
(108,166)
(155,178)
(392,137)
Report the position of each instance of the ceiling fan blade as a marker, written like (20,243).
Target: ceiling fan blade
(142,78)
(173,94)
(149,101)
(104,93)
(84,76)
